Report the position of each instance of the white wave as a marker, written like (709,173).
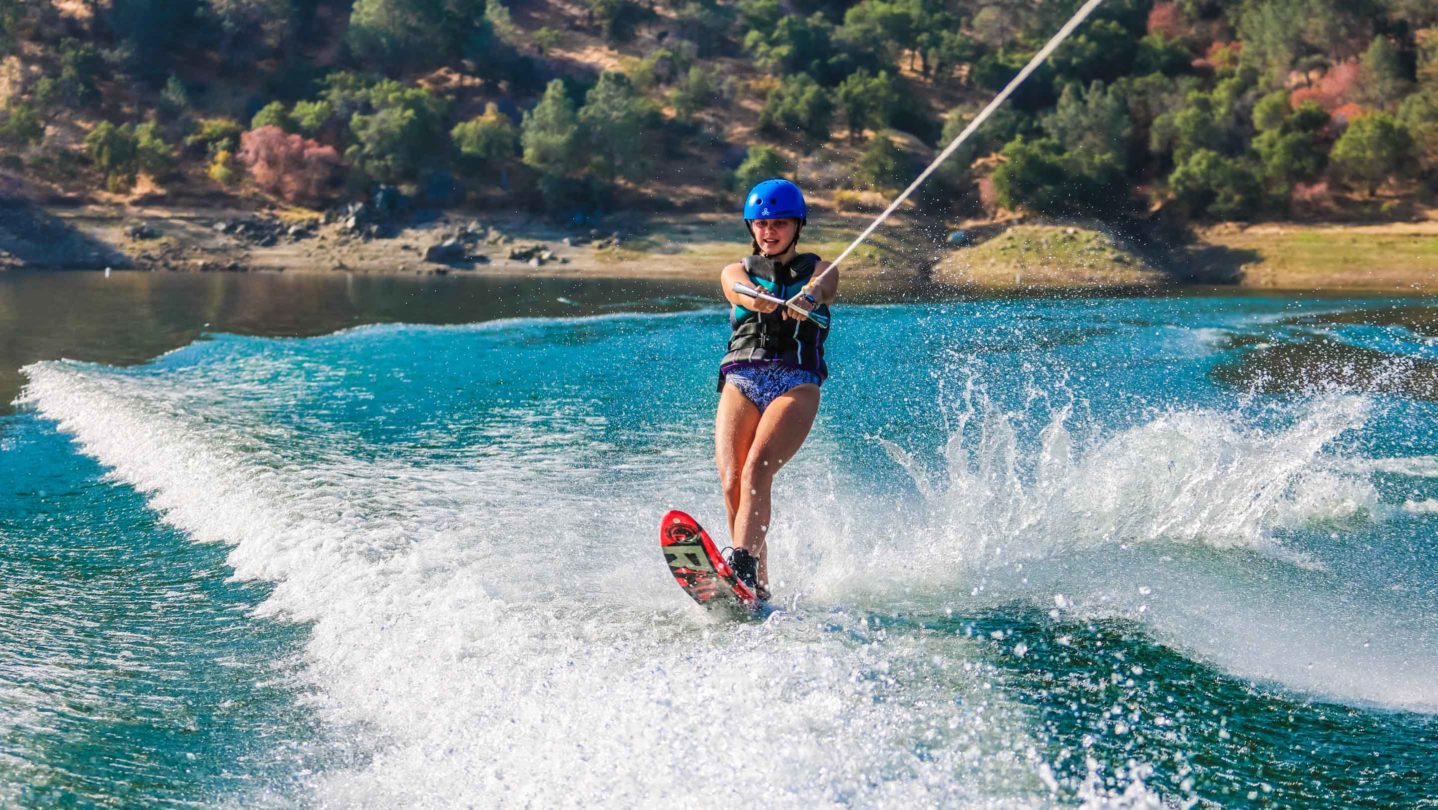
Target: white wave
(1175,523)
(500,632)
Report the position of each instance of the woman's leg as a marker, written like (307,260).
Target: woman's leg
(780,432)
(734,426)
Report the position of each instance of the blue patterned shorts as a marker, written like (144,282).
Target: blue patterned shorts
(763,383)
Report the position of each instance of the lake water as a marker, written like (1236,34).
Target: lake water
(1037,552)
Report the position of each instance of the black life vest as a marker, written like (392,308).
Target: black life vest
(768,337)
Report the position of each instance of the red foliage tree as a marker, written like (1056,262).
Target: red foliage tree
(1337,88)
(1167,19)
(292,167)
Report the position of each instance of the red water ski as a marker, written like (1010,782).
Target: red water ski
(698,566)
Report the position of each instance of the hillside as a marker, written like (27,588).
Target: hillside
(1154,115)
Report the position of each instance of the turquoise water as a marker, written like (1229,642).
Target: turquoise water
(1103,552)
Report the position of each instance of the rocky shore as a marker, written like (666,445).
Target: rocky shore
(380,237)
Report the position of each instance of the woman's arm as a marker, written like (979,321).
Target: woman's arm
(733,274)
(828,288)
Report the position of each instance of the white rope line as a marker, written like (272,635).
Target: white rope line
(1063,34)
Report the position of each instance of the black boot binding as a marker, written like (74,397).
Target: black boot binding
(746,568)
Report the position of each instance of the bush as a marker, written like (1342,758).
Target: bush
(881,166)
(220,169)
(112,150)
(550,134)
(798,103)
(21,126)
(313,118)
(409,34)
(273,114)
(153,155)
(1040,176)
(760,163)
(403,133)
(1208,183)
(546,39)
(291,167)
(215,135)
(485,141)
(868,100)
(617,19)
(616,121)
(1373,148)
(696,92)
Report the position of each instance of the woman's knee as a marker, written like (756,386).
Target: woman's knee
(759,470)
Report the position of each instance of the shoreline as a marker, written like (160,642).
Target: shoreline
(989,257)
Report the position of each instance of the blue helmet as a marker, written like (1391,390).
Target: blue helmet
(776,199)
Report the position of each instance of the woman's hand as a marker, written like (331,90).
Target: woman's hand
(800,306)
(760,305)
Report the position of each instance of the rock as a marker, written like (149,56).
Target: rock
(567,242)
(441,271)
(297,231)
(141,231)
(223,226)
(536,262)
(450,250)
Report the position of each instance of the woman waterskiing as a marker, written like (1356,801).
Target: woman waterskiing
(769,379)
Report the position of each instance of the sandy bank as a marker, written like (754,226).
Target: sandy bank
(1398,257)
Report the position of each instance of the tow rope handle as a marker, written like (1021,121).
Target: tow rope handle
(820,321)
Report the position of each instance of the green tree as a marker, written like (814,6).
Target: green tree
(1419,114)
(1374,148)
(881,165)
(1095,119)
(1208,183)
(215,135)
(313,117)
(1159,54)
(615,121)
(273,114)
(496,13)
(1102,50)
(867,100)
(798,104)
(487,141)
(617,19)
(795,44)
(403,34)
(1289,144)
(401,133)
(760,163)
(112,150)
(1385,80)
(21,125)
(153,155)
(550,134)
(695,92)
(1279,34)
(1040,176)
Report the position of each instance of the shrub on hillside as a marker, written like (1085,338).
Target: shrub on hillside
(616,120)
(695,92)
(291,167)
(868,100)
(402,132)
(153,154)
(1211,184)
(21,126)
(617,19)
(1041,176)
(215,135)
(273,114)
(881,166)
(1373,149)
(112,150)
(760,163)
(550,134)
(798,103)
(487,141)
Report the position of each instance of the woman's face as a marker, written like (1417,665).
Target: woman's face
(774,235)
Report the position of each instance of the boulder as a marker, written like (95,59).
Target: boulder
(450,250)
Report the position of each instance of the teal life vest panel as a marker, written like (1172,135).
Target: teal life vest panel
(767,337)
